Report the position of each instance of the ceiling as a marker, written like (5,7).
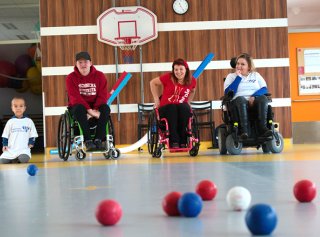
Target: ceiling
(19,19)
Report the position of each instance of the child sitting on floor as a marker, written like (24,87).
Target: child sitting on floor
(18,135)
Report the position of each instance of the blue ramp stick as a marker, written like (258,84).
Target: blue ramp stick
(119,88)
(203,65)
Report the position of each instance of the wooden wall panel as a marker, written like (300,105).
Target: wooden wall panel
(85,12)
(192,45)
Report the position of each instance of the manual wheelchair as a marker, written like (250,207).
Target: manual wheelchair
(70,137)
(158,136)
(228,133)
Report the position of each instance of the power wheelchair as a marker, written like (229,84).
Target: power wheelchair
(158,136)
(70,137)
(228,133)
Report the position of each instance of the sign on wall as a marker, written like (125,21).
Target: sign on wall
(309,71)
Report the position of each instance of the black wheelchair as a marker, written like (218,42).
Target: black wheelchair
(158,136)
(228,132)
(70,137)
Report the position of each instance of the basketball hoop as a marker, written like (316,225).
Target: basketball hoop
(127,46)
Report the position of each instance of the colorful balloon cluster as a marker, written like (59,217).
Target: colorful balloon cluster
(25,73)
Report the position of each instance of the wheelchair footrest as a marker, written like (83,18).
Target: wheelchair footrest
(179,149)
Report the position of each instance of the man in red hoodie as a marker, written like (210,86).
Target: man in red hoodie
(87,92)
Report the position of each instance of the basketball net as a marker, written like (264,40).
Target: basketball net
(127,50)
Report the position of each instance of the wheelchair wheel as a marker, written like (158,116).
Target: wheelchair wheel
(194,151)
(195,133)
(114,154)
(153,135)
(158,152)
(64,137)
(80,155)
(110,130)
(276,144)
(222,131)
(233,147)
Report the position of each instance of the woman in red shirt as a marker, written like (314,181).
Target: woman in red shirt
(176,89)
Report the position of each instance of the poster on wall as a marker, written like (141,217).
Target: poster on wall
(309,71)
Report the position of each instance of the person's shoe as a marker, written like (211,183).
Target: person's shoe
(244,136)
(174,145)
(266,133)
(98,144)
(90,145)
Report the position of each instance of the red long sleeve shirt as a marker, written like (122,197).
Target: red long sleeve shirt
(90,91)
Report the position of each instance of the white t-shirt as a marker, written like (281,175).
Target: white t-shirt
(248,85)
(18,131)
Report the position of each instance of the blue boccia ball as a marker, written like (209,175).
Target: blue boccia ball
(190,205)
(261,219)
(32,170)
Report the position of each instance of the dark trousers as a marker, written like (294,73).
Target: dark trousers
(178,116)
(239,110)
(79,112)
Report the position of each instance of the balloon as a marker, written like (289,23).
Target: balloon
(6,68)
(38,64)
(23,63)
(33,73)
(36,89)
(32,50)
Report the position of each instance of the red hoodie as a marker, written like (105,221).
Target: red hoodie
(90,90)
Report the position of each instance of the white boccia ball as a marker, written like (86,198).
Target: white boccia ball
(238,198)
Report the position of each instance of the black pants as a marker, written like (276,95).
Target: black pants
(178,116)
(79,112)
(239,111)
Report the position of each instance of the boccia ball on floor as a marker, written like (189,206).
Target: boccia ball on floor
(305,190)
(206,189)
(190,205)
(32,170)
(238,198)
(261,219)
(170,204)
(108,212)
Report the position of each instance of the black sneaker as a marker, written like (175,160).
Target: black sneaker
(98,144)
(90,145)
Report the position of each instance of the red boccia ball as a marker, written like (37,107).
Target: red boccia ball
(207,190)
(305,191)
(108,212)
(170,204)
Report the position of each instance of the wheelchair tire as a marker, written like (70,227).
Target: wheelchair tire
(110,130)
(114,153)
(195,133)
(222,131)
(80,155)
(64,137)
(153,135)
(276,145)
(232,147)
(157,153)
(194,151)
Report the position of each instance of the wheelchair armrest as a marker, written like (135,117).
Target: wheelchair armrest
(228,97)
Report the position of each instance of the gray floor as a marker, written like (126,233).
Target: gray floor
(61,201)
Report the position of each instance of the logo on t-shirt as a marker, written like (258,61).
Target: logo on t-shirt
(176,97)
(87,89)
